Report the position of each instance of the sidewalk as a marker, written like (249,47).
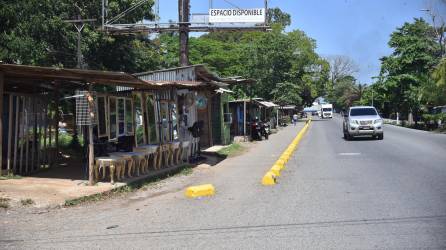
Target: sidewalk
(242,170)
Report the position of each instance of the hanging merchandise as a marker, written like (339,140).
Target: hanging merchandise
(201,102)
(85,115)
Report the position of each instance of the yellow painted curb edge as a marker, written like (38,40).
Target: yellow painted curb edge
(201,190)
(270,178)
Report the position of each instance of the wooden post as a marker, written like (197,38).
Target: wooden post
(17,128)
(45,133)
(2,84)
(90,137)
(183,18)
(244,120)
(27,134)
(145,118)
(22,131)
(34,135)
(56,128)
(10,131)
(209,109)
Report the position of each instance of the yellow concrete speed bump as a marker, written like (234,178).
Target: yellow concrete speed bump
(280,162)
(276,170)
(201,190)
(286,155)
(269,179)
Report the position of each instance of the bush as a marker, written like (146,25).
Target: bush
(434,120)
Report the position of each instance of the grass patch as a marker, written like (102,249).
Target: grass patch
(26,202)
(10,176)
(4,202)
(231,150)
(143,184)
(186,170)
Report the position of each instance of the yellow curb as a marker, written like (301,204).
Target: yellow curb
(269,179)
(276,170)
(201,190)
(280,162)
(284,158)
(278,166)
(287,155)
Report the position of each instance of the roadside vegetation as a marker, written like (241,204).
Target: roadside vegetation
(4,202)
(232,150)
(26,202)
(10,176)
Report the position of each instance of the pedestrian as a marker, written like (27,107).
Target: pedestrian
(294,119)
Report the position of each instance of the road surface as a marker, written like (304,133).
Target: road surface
(334,194)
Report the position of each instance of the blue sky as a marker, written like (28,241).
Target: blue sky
(359,29)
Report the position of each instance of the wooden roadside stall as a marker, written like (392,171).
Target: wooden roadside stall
(245,111)
(195,101)
(107,106)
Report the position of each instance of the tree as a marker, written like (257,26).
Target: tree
(34,32)
(439,73)
(277,16)
(404,72)
(341,66)
(287,93)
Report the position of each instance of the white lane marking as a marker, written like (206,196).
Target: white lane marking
(349,154)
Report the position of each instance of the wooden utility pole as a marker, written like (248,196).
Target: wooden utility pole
(183,26)
(92,117)
(183,17)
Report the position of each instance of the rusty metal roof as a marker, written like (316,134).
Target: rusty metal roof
(186,84)
(35,77)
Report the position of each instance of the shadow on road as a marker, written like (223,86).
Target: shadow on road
(361,138)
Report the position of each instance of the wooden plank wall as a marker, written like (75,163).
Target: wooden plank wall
(28,144)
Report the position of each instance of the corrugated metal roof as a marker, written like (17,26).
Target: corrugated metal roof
(32,78)
(268,104)
(186,84)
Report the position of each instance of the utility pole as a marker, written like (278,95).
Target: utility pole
(183,17)
(79,24)
(183,26)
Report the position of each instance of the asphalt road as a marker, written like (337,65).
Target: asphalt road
(334,194)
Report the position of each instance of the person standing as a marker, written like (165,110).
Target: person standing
(294,119)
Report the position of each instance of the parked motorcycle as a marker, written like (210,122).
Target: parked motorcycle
(259,129)
(265,129)
(256,133)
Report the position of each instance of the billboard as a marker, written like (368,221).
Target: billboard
(237,15)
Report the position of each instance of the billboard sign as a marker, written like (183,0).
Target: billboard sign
(237,15)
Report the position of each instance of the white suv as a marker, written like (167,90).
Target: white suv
(362,120)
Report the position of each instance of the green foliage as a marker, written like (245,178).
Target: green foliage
(4,202)
(439,74)
(231,150)
(26,202)
(34,32)
(405,84)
